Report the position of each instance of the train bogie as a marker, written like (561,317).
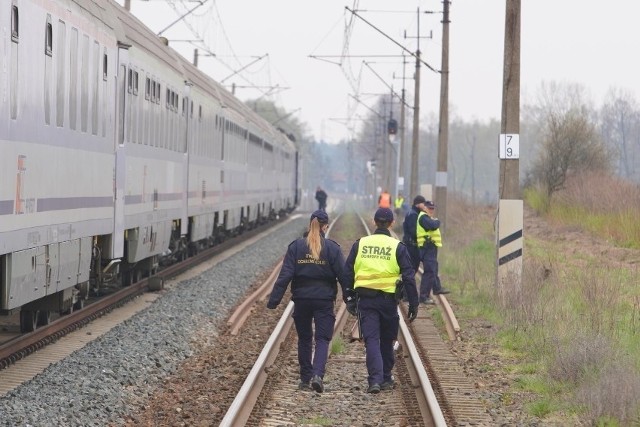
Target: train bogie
(45,279)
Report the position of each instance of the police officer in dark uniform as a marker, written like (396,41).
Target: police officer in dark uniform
(422,236)
(373,268)
(312,264)
(409,231)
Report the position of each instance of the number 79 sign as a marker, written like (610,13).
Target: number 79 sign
(509,146)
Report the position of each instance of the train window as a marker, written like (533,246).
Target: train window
(84,83)
(105,62)
(73,78)
(147,89)
(200,112)
(48,73)
(168,96)
(176,102)
(48,37)
(130,84)
(184,107)
(60,73)
(158,91)
(191,109)
(15,33)
(96,93)
(135,83)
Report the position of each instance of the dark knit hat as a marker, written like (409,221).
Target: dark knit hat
(418,199)
(383,215)
(321,215)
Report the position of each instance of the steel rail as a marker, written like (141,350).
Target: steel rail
(415,362)
(243,311)
(240,409)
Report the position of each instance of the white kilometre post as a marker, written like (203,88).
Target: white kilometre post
(510,205)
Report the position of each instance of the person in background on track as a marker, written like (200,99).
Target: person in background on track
(373,268)
(398,204)
(312,264)
(409,231)
(321,197)
(384,200)
(422,236)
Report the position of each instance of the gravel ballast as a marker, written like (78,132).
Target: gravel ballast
(99,384)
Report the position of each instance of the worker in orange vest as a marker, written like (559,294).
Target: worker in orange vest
(384,201)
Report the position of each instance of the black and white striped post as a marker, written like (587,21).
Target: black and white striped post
(510,240)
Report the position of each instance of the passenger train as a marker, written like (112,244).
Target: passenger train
(117,154)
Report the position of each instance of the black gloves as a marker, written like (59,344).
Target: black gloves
(351,299)
(412,313)
(272,305)
(352,307)
(399,290)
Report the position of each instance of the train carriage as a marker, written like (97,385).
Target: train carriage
(151,151)
(117,155)
(55,126)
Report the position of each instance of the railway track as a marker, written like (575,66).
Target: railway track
(430,386)
(345,401)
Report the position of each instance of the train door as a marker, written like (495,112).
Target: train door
(117,242)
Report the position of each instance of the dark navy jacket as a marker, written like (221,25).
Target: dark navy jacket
(411,223)
(310,278)
(403,259)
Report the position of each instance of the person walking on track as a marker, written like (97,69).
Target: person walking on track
(373,267)
(321,197)
(312,264)
(384,200)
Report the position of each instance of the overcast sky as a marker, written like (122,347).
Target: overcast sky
(592,42)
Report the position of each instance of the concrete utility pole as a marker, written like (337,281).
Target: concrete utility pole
(415,188)
(443,129)
(403,141)
(510,205)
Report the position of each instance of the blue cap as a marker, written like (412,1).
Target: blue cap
(383,215)
(321,216)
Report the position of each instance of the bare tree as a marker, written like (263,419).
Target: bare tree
(570,142)
(620,117)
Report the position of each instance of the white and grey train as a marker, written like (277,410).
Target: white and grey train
(115,153)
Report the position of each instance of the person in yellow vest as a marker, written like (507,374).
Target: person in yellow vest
(372,269)
(384,200)
(428,239)
(398,204)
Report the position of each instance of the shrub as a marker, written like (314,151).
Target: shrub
(615,394)
(579,356)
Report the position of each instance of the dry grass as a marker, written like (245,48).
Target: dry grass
(602,204)
(574,312)
(600,193)
(614,395)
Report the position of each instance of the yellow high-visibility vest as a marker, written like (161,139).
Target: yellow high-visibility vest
(376,266)
(422,235)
